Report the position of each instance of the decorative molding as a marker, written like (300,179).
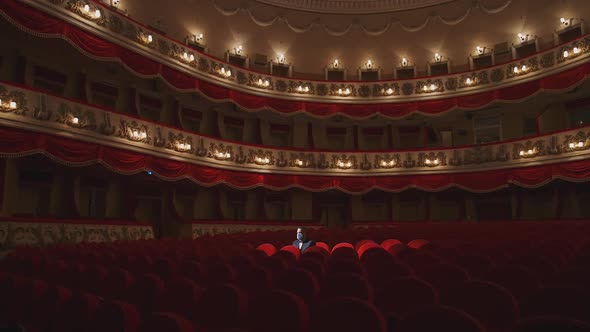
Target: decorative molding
(24,233)
(95,125)
(202,229)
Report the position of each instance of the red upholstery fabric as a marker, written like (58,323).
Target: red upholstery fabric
(520,281)
(76,314)
(116,317)
(551,324)
(401,296)
(181,296)
(565,301)
(169,322)
(267,248)
(347,285)
(147,292)
(292,249)
(346,314)
(489,303)
(418,243)
(278,310)
(222,306)
(299,282)
(322,245)
(439,318)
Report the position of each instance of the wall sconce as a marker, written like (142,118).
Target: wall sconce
(344,164)
(238,50)
(573,52)
(136,134)
(86,10)
(336,63)
(10,106)
(566,22)
(75,120)
(263,83)
(528,153)
(388,163)
(430,87)
(264,160)
(222,155)
(115,3)
(145,38)
(369,64)
(437,57)
(224,72)
(404,62)
(188,57)
(432,162)
(344,92)
(299,162)
(576,145)
(199,38)
(281,59)
(480,50)
(389,91)
(523,37)
(303,88)
(520,70)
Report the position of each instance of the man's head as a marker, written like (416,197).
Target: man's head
(301,233)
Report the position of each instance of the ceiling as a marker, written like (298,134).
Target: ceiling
(311,33)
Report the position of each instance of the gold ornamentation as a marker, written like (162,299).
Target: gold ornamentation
(343,162)
(528,149)
(75,118)
(12,102)
(88,10)
(220,152)
(387,161)
(432,159)
(302,160)
(262,158)
(180,143)
(578,142)
(133,131)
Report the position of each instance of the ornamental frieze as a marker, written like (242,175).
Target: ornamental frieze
(87,123)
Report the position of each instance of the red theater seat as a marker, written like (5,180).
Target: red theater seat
(551,324)
(520,281)
(76,314)
(489,303)
(418,244)
(267,248)
(292,249)
(444,276)
(401,296)
(439,318)
(346,284)
(344,250)
(565,301)
(222,306)
(323,245)
(278,310)
(169,322)
(300,282)
(316,267)
(386,244)
(346,314)
(116,317)
(147,292)
(255,279)
(181,296)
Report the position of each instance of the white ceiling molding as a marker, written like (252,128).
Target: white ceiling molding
(353,6)
(300,20)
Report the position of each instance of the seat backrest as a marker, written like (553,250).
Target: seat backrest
(401,296)
(278,310)
(439,318)
(346,284)
(165,321)
(572,302)
(146,292)
(222,305)
(491,304)
(346,314)
(300,282)
(551,323)
(116,316)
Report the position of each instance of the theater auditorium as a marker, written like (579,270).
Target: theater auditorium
(294,166)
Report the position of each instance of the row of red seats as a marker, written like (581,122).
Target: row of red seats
(379,280)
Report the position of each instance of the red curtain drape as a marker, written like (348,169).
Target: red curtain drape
(16,142)
(43,24)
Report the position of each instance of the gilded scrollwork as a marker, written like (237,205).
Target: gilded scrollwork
(180,143)
(528,149)
(432,159)
(387,161)
(344,161)
(220,152)
(75,117)
(478,155)
(133,131)
(12,102)
(302,160)
(260,157)
(429,86)
(579,141)
(88,10)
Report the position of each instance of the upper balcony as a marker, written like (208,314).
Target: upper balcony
(107,34)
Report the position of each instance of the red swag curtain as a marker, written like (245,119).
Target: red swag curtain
(40,23)
(16,142)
